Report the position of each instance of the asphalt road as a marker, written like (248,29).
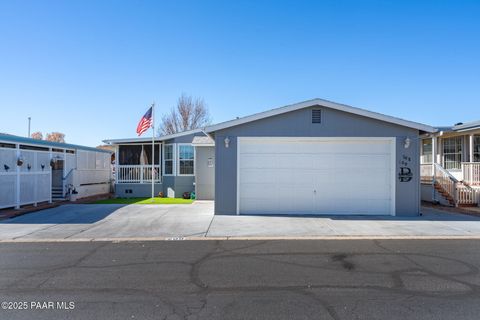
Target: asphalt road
(337,279)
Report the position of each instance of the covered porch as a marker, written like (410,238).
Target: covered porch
(457,152)
(134,163)
(450,165)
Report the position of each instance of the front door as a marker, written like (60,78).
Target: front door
(57,174)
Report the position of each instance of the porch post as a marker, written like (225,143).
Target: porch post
(51,173)
(17,177)
(434,160)
(117,159)
(141,166)
(470,158)
(471,147)
(439,151)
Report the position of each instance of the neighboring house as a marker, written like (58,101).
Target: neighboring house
(450,165)
(313,157)
(181,161)
(34,171)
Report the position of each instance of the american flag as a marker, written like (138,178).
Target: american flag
(145,122)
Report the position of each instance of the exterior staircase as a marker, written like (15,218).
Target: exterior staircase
(57,194)
(455,192)
(444,193)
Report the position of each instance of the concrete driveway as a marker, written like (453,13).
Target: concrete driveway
(110,221)
(86,222)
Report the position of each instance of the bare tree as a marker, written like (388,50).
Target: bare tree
(189,114)
(37,135)
(55,137)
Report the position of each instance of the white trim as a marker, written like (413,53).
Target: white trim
(178,159)
(173,159)
(204,145)
(239,140)
(161,138)
(393,164)
(28,144)
(393,160)
(324,103)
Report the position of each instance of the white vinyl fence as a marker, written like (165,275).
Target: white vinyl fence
(28,183)
(26,174)
(93,173)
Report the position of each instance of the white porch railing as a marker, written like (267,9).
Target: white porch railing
(446,181)
(459,193)
(471,173)
(137,174)
(467,195)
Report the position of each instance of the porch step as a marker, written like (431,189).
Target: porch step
(445,194)
(57,194)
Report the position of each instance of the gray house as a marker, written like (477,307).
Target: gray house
(318,157)
(313,157)
(182,161)
(450,165)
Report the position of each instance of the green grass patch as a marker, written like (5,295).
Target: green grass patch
(145,201)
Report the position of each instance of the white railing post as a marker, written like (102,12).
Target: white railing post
(35,179)
(455,194)
(17,191)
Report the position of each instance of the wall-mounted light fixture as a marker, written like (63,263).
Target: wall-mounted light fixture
(227,142)
(6,167)
(42,166)
(407,143)
(20,161)
(54,160)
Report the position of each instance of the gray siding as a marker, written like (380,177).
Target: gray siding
(179,184)
(139,190)
(334,124)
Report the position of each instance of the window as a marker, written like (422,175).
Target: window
(427,151)
(185,160)
(168,159)
(147,150)
(476,149)
(129,154)
(316,116)
(452,153)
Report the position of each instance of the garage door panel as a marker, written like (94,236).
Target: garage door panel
(323,176)
(377,207)
(263,191)
(257,161)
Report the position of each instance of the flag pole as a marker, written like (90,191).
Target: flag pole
(153,151)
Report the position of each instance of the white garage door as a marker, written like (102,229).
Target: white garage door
(316,176)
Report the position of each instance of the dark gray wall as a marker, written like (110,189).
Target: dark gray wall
(139,190)
(334,124)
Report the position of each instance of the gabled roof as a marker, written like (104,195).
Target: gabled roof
(467,126)
(149,139)
(460,127)
(203,141)
(48,144)
(324,103)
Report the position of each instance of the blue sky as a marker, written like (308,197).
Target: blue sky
(91,68)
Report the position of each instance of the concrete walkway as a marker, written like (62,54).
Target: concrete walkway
(88,222)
